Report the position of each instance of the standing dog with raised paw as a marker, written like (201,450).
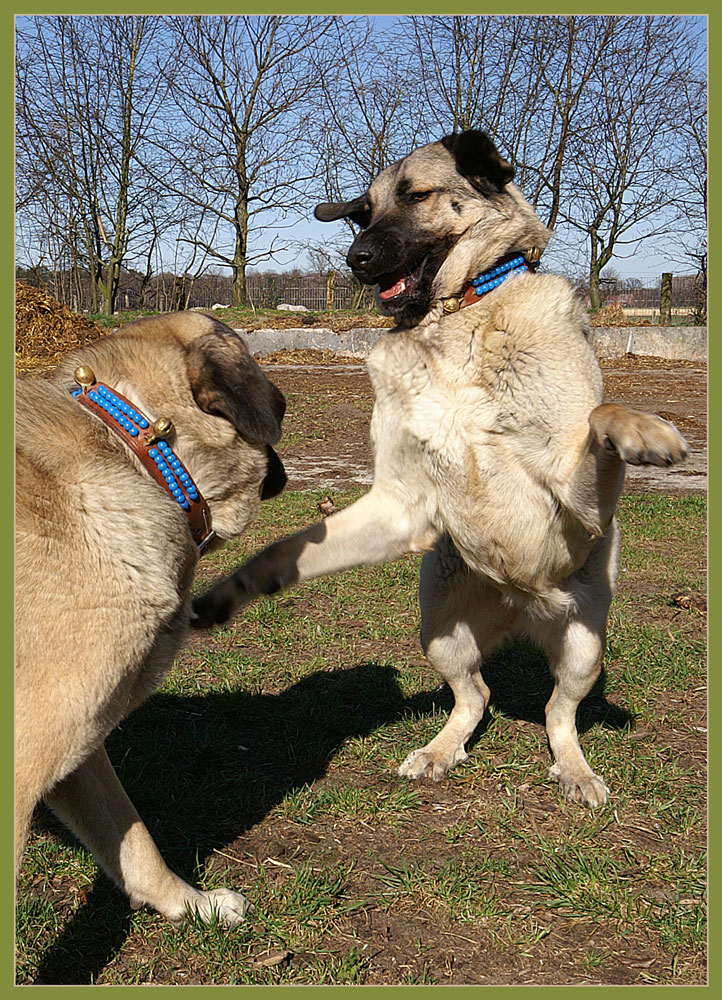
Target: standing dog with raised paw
(494,452)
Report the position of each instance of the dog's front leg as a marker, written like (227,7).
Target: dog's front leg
(94,804)
(638,438)
(377,528)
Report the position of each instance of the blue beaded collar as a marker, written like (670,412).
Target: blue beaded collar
(492,278)
(487,281)
(147,441)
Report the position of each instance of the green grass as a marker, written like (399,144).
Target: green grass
(267,762)
(235,316)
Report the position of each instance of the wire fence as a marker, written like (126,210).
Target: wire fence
(638,298)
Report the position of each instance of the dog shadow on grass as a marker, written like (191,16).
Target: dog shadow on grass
(202,770)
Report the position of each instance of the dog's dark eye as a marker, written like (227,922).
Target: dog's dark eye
(414,196)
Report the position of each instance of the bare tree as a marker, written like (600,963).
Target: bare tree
(690,182)
(472,71)
(625,150)
(86,98)
(191,142)
(238,147)
(582,105)
(368,117)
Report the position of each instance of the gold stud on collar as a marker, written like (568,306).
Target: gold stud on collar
(84,376)
(451,305)
(162,428)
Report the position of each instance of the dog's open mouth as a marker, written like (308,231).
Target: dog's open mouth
(398,283)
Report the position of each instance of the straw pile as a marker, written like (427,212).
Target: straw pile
(614,315)
(45,330)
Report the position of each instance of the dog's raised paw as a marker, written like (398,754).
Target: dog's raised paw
(638,438)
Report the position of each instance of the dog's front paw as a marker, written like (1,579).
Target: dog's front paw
(215,606)
(423,763)
(229,908)
(638,438)
(584,787)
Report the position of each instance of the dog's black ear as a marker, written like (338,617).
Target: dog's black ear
(358,211)
(227,382)
(478,159)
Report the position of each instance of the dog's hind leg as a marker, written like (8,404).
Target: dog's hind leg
(576,662)
(461,620)
(93,803)
(575,646)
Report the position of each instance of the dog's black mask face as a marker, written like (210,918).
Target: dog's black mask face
(413,215)
(403,261)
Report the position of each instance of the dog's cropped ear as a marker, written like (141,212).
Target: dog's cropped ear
(358,211)
(227,382)
(478,159)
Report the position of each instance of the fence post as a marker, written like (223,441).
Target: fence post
(330,290)
(665,299)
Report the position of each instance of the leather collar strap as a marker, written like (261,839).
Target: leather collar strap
(146,440)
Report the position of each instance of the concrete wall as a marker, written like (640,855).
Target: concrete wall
(680,342)
(688,343)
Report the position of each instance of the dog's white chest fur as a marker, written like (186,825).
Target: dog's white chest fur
(466,417)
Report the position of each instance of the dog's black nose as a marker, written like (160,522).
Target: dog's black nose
(358,257)
(362,255)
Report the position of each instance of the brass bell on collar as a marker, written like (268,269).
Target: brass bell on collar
(162,428)
(451,305)
(84,376)
(533,254)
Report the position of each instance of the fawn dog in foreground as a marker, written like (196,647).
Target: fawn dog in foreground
(143,448)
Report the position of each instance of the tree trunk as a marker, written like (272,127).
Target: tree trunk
(665,299)
(700,294)
(190,281)
(240,289)
(595,294)
(178,291)
(358,293)
(330,290)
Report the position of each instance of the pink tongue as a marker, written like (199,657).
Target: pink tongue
(394,290)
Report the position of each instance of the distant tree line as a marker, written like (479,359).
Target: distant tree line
(185,148)
(166,291)
(324,291)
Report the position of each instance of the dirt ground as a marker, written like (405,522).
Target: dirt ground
(339,452)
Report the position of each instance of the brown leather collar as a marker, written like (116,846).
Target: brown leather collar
(146,440)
